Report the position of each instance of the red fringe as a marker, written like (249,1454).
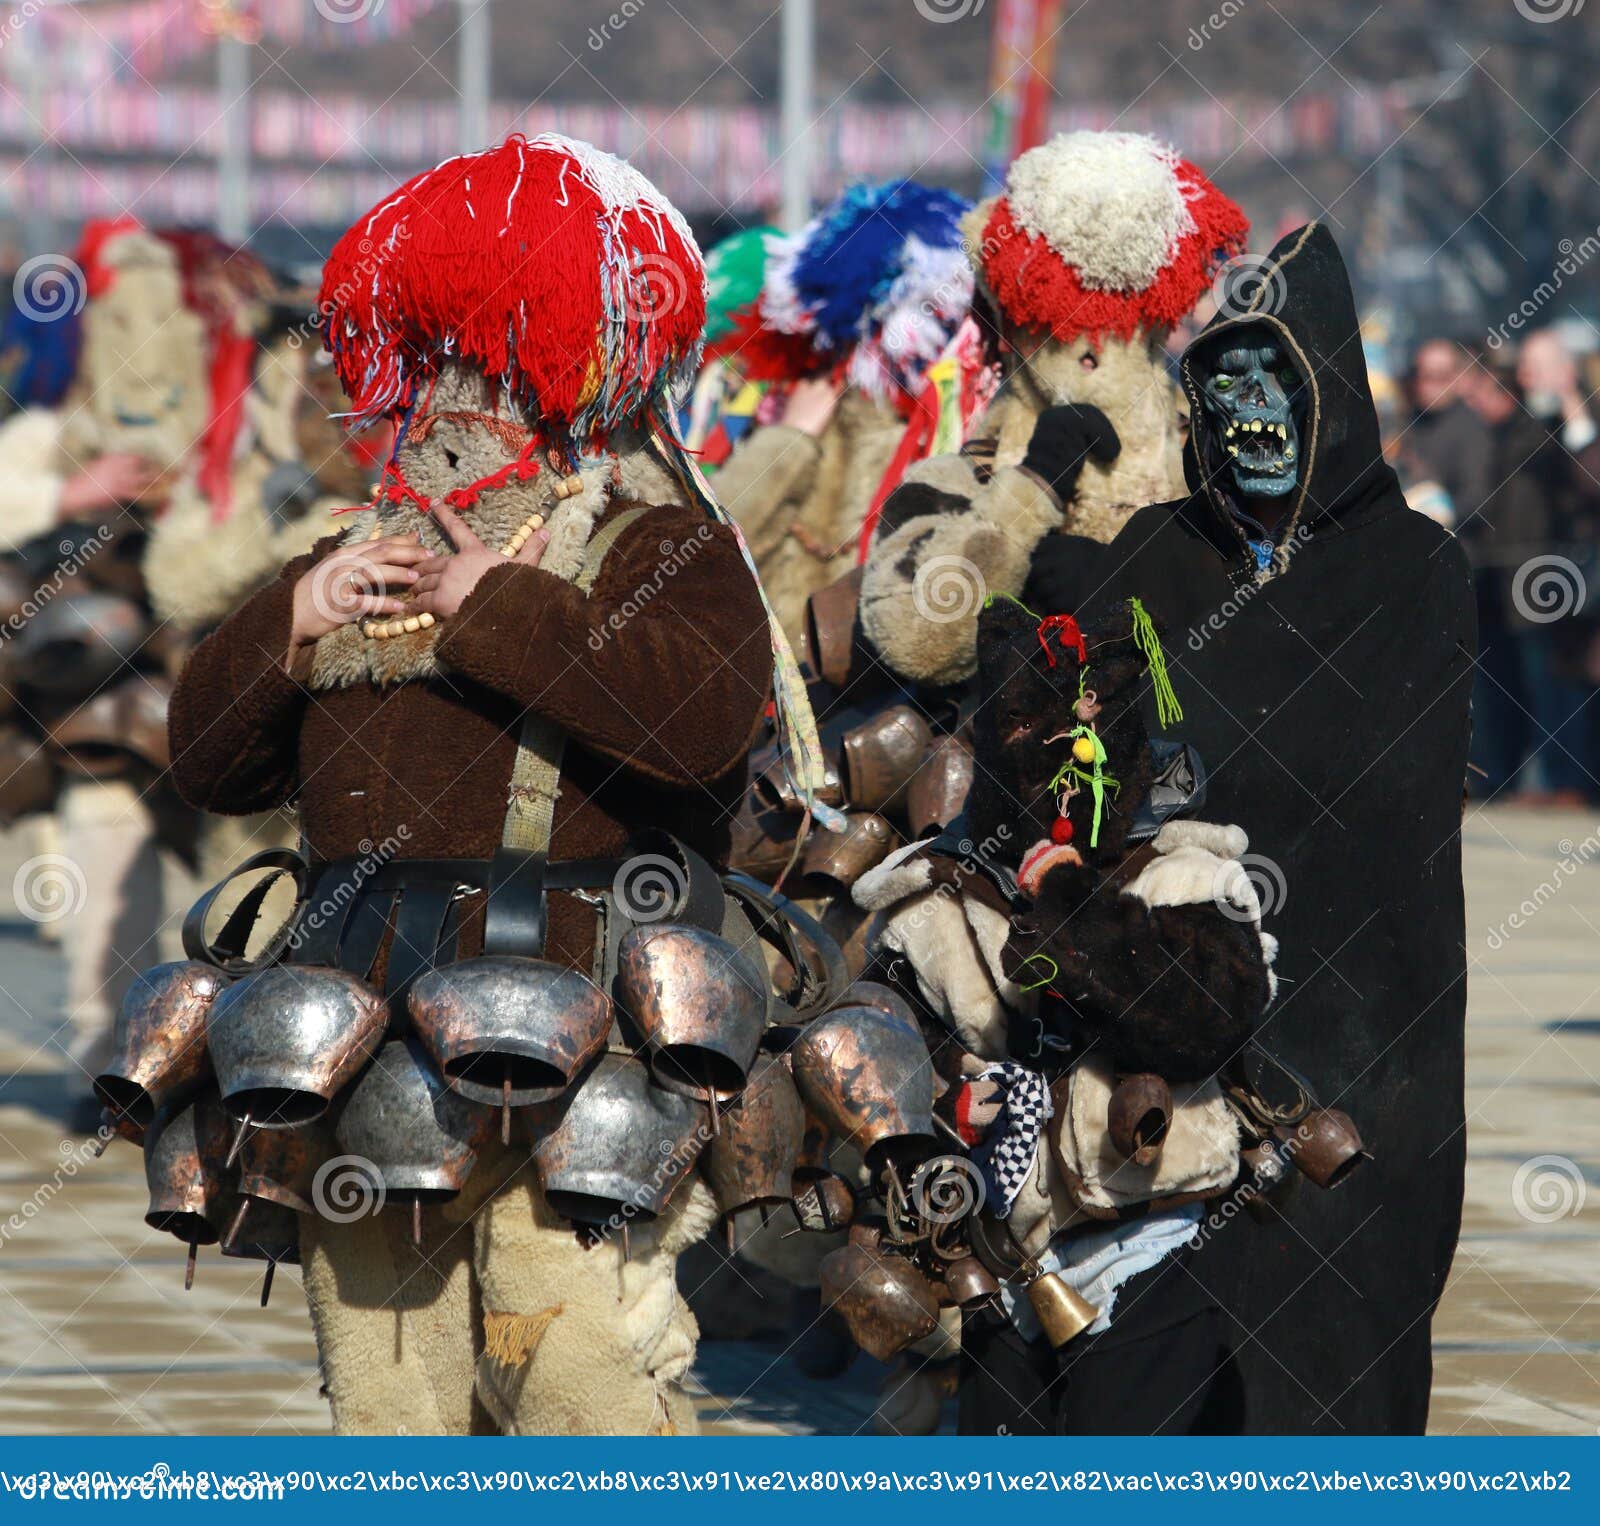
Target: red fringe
(1035,286)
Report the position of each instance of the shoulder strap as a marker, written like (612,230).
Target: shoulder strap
(531,802)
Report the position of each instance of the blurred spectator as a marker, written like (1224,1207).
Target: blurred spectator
(1445,443)
(1527,531)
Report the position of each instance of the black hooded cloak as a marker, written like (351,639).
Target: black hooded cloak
(1329,699)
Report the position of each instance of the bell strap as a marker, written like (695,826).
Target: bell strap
(536,774)
(821,974)
(226,951)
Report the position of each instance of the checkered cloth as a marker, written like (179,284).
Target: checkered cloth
(1008,1150)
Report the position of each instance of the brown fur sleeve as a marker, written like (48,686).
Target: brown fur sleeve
(664,667)
(234,718)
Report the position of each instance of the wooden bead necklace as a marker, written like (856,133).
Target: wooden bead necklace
(405,625)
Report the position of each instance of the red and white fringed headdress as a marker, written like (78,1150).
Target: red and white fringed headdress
(553,266)
(1105,233)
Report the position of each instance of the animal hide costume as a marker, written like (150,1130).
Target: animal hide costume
(1336,682)
(1068,935)
(1100,244)
(481,782)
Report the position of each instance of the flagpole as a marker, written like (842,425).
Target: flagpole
(472,75)
(798,43)
(233,165)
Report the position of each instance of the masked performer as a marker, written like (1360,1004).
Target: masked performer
(163,358)
(537,610)
(1100,244)
(1332,631)
(1084,958)
(853,309)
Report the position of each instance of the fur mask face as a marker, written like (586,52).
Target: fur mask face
(1255,402)
(142,381)
(1025,724)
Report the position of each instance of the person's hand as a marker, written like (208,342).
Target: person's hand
(446,580)
(352,583)
(106,483)
(1064,437)
(811,403)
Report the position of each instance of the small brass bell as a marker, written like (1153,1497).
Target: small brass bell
(1062,1310)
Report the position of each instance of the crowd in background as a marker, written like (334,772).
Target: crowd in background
(1503,446)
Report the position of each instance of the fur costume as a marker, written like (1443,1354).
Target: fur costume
(506,375)
(871,291)
(1141,950)
(1099,245)
(1338,674)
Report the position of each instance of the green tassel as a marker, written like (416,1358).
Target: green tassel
(1145,638)
(988,603)
(1098,780)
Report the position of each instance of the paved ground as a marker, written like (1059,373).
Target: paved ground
(97,1334)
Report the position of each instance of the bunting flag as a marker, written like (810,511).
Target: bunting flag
(1020,63)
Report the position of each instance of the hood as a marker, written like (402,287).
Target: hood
(1302,290)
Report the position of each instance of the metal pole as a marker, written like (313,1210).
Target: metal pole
(234,69)
(799,42)
(472,75)
(30,71)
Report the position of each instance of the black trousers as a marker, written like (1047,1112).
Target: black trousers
(1164,1368)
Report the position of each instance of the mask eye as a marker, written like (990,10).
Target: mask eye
(1222,383)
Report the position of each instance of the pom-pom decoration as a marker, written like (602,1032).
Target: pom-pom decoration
(734,271)
(554,267)
(1106,233)
(873,287)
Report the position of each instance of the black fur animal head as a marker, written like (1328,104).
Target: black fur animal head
(1027,711)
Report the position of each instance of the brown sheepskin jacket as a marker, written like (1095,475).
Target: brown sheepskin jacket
(658,681)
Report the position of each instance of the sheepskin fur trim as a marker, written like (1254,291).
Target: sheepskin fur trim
(1109,203)
(1223,839)
(903,873)
(1200,1155)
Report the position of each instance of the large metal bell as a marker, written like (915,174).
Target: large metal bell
(867,1075)
(287,1040)
(421,1137)
(507,1030)
(159,1052)
(280,1165)
(263,1231)
(699,1004)
(617,1145)
(884,1300)
(752,1159)
(185,1154)
(77,641)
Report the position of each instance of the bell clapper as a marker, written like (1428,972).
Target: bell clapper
(238,1139)
(266,1283)
(237,1225)
(627,1250)
(188,1268)
(505,1108)
(416,1221)
(711,1102)
(732,1234)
